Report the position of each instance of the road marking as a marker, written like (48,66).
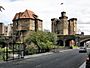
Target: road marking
(83,65)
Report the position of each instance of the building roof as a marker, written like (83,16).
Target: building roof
(53,19)
(1,23)
(64,17)
(25,14)
(73,19)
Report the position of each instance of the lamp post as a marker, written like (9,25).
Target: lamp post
(22,31)
(23,48)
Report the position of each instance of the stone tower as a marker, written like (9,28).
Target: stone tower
(64,23)
(72,30)
(60,26)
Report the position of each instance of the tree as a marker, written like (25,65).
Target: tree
(1,7)
(43,40)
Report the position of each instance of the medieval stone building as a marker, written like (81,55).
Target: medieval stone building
(63,26)
(72,27)
(26,21)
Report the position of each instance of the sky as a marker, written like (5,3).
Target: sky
(48,9)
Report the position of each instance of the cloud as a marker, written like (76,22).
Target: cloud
(47,9)
(13,0)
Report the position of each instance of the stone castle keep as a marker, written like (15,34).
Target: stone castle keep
(63,26)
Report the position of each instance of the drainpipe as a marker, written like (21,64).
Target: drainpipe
(36,22)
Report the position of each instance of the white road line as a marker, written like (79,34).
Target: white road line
(83,65)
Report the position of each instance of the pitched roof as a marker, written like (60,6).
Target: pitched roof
(25,14)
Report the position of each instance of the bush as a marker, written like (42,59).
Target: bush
(31,49)
(3,52)
(46,46)
(44,41)
(74,46)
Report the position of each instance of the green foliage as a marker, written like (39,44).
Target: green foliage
(74,46)
(40,37)
(49,45)
(31,49)
(3,53)
(1,40)
(43,40)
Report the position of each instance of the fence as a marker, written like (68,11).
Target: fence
(12,51)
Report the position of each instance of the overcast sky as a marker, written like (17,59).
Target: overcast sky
(47,9)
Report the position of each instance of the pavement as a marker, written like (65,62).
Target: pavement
(83,65)
(36,55)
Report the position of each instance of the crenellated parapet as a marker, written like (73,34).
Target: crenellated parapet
(64,26)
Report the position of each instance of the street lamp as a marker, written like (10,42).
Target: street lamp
(23,51)
(22,31)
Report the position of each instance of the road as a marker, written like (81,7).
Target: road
(66,59)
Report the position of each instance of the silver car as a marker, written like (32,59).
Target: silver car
(82,49)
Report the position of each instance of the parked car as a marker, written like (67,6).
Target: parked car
(88,61)
(82,49)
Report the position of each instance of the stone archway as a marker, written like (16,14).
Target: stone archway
(70,42)
(60,42)
(67,43)
(81,44)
